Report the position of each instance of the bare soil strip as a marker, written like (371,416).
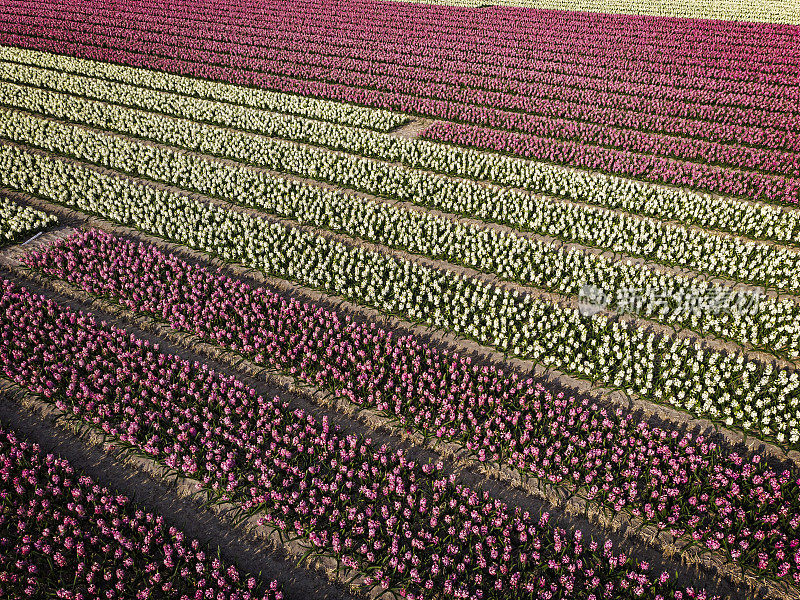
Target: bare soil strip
(413,128)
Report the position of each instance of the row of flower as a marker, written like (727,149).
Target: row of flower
(531,93)
(765,161)
(751,220)
(685,10)
(647,166)
(756,396)
(715,60)
(764,323)
(394,90)
(680,483)
(63,536)
(290,104)
(406,525)
(658,169)
(19,221)
(759,263)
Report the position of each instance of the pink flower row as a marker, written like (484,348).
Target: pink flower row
(301,61)
(333,41)
(660,169)
(684,485)
(731,53)
(63,536)
(405,524)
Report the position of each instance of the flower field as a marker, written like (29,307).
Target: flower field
(437,300)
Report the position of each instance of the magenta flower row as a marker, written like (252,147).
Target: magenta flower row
(651,167)
(63,536)
(686,485)
(720,56)
(304,63)
(299,60)
(405,524)
(309,43)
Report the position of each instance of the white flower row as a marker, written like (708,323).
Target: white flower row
(769,11)
(744,260)
(754,395)
(18,221)
(759,221)
(328,110)
(771,325)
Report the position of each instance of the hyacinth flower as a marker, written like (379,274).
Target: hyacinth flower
(408,526)
(18,221)
(63,536)
(681,483)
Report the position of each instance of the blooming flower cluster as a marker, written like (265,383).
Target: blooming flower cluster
(18,221)
(768,324)
(196,89)
(63,536)
(644,164)
(731,387)
(752,220)
(321,59)
(677,482)
(679,10)
(745,260)
(403,523)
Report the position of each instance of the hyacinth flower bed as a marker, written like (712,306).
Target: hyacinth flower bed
(407,525)
(729,387)
(773,266)
(615,122)
(18,222)
(152,91)
(741,506)
(63,536)
(768,324)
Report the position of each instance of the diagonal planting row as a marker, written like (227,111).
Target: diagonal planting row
(63,536)
(755,395)
(643,142)
(666,243)
(407,92)
(715,89)
(324,39)
(312,108)
(18,221)
(352,170)
(683,485)
(122,85)
(767,324)
(373,509)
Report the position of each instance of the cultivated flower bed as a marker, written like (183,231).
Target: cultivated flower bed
(729,387)
(750,220)
(765,323)
(687,486)
(63,536)
(405,524)
(18,221)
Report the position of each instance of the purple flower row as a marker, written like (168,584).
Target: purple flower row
(63,536)
(493,108)
(592,87)
(651,167)
(388,88)
(719,56)
(683,484)
(405,524)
